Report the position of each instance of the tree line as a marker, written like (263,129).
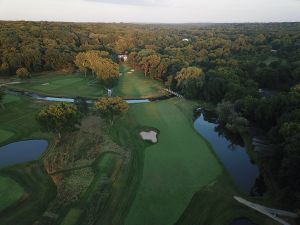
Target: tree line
(229,65)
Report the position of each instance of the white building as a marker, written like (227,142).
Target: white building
(123,58)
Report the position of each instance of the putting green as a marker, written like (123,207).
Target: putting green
(175,168)
(136,85)
(10,192)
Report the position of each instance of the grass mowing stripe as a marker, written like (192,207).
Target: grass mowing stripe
(136,85)
(10,192)
(174,169)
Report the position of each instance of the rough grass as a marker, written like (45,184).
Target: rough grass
(10,192)
(67,85)
(39,192)
(72,217)
(136,85)
(180,164)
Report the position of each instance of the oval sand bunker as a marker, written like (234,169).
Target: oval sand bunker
(149,136)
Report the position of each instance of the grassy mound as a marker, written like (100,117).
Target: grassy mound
(10,192)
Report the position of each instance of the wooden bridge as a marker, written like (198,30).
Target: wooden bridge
(272,213)
(173,92)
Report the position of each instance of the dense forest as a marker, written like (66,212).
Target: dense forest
(233,66)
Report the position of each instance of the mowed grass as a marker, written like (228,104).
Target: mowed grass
(18,118)
(133,85)
(175,168)
(4,135)
(66,85)
(136,85)
(10,192)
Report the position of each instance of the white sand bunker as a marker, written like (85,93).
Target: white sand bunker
(129,72)
(149,136)
(132,70)
(45,84)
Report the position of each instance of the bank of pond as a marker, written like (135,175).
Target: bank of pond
(231,151)
(228,148)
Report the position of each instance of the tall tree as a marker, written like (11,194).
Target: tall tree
(107,71)
(82,62)
(59,118)
(190,80)
(110,108)
(23,73)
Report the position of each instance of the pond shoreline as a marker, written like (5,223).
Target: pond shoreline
(231,153)
(21,91)
(22,152)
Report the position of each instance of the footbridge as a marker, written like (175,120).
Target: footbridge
(173,92)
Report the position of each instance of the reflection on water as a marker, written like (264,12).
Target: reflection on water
(71,100)
(22,151)
(230,149)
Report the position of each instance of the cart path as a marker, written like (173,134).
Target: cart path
(272,213)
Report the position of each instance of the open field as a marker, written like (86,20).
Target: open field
(148,182)
(66,85)
(174,168)
(183,182)
(10,192)
(131,85)
(17,120)
(136,85)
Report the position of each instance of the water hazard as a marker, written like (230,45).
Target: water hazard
(21,152)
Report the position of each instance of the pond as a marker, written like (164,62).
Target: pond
(70,100)
(21,152)
(231,152)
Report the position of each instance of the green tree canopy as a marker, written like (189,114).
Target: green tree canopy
(110,108)
(23,73)
(59,118)
(190,80)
